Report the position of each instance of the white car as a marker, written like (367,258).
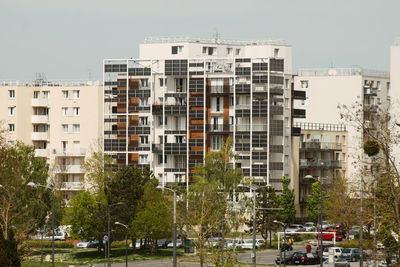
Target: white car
(337,252)
(248,243)
(83,244)
(294,228)
(137,244)
(237,242)
(309,227)
(178,244)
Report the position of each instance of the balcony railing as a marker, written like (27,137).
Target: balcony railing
(41,152)
(220,127)
(220,89)
(71,186)
(40,136)
(243,106)
(71,152)
(319,163)
(40,102)
(69,169)
(254,127)
(40,119)
(321,145)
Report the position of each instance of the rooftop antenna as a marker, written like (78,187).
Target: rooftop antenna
(216,35)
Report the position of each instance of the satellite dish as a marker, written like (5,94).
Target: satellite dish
(331,72)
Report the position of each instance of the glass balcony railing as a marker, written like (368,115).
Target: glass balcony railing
(320,145)
(320,163)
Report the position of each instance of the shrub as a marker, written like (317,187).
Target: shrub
(371,147)
(355,243)
(117,244)
(47,244)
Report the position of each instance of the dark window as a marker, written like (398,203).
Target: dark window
(114,110)
(174,50)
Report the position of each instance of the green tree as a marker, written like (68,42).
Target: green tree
(9,256)
(154,218)
(313,203)
(267,201)
(286,200)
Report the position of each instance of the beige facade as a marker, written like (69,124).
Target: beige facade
(62,120)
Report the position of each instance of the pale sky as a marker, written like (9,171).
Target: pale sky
(68,39)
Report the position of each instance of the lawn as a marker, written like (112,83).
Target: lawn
(80,256)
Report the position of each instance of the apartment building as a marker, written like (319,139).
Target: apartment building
(322,150)
(329,88)
(60,119)
(395,85)
(182,98)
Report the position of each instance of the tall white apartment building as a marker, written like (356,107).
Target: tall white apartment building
(183,97)
(60,119)
(329,88)
(395,87)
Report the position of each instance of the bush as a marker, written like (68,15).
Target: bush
(274,245)
(117,244)
(355,243)
(371,147)
(47,244)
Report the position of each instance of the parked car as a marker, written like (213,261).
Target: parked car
(162,243)
(331,235)
(248,243)
(94,244)
(351,254)
(338,263)
(309,227)
(337,252)
(305,258)
(83,244)
(293,228)
(178,244)
(286,257)
(137,245)
(323,247)
(233,242)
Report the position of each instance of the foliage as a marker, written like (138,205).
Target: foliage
(9,256)
(355,243)
(154,219)
(340,206)
(313,202)
(47,244)
(266,198)
(122,243)
(371,148)
(22,208)
(286,200)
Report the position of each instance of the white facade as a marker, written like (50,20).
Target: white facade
(60,119)
(329,88)
(395,87)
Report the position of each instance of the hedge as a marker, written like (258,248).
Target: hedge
(355,243)
(47,244)
(117,244)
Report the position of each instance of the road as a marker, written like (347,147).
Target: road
(263,257)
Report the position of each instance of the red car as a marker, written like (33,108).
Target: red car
(330,235)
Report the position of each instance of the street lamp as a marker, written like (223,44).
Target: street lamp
(284,249)
(174,263)
(308,176)
(126,242)
(32,184)
(254,254)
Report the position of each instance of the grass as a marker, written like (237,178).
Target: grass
(79,256)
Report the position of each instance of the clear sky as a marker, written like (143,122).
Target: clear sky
(67,39)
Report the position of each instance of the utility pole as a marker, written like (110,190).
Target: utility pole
(361,222)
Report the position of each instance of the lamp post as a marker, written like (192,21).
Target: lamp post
(32,184)
(174,263)
(284,249)
(126,242)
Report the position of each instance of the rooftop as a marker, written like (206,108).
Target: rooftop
(183,39)
(38,83)
(320,126)
(344,72)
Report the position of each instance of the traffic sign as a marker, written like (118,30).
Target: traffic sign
(105,238)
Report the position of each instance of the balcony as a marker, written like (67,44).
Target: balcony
(220,128)
(44,119)
(41,153)
(243,106)
(71,186)
(299,113)
(220,89)
(170,148)
(40,102)
(320,146)
(301,95)
(40,136)
(319,163)
(254,128)
(69,169)
(70,152)
(370,92)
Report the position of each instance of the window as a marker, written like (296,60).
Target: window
(209,50)
(11,111)
(179,139)
(143,83)
(218,104)
(65,128)
(76,94)
(378,85)
(180,162)
(231,101)
(64,146)
(177,50)
(144,140)
(65,111)
(160,161)
(11,93)
(65,94)
(143,159)
(179,178)
(237,51)
(276,52)
(143,121)
(343,140)
(229,51)
(11,128)
(76,111)
(46,94)
(163,82)
(76,128)
(304,84)
(216,142)
(143,102)
(36,94)
(160,121)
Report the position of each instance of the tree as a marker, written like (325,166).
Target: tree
(127,187)
(22,208)
(314,202)
(154,219)
(339,206)
(286,200)
(267,201)
(9,256)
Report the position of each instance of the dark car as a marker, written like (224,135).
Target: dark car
(94,244)
(286,257)
(305,258)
